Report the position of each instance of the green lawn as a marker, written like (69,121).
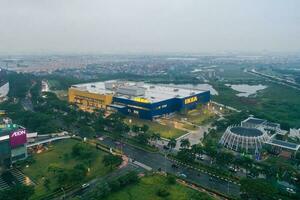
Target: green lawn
(166,131)
(60,154)
(276,103)
(147,189)
(197,117)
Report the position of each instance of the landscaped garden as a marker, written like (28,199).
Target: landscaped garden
(157,187)
(165,131)
(64,164)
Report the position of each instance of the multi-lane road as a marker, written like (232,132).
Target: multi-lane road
(157,161)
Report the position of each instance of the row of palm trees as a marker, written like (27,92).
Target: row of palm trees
(184,143)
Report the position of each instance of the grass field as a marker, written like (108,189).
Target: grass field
(60,154)
(166,131)
(276,103)
(148,187)
(197,117)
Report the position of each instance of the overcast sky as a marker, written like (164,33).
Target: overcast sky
(148,26)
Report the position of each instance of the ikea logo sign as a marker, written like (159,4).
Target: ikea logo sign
(191,100)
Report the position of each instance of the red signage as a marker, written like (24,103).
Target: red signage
(18,138)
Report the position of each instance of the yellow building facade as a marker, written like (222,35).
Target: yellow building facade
(88,101)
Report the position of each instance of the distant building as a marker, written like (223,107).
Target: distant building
(4,85)
(12,142)
(145,101)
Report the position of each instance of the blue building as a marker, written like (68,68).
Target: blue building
(146,101)
(159,100)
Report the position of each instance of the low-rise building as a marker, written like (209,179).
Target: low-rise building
(147,101)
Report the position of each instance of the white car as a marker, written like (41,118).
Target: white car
(290,190)
(85,185)
(182,175)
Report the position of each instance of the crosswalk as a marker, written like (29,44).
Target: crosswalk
(21,177)
(3,184)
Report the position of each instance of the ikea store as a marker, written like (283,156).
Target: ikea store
(146,101)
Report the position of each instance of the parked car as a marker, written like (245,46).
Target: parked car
(233,169)
(182,175)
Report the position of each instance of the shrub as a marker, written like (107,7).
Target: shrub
(162,192)
(171,179)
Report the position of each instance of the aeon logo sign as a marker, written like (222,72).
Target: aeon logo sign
(18,133)
(18,138)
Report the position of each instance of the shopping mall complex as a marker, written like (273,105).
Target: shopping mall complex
(12,142)
(146,101)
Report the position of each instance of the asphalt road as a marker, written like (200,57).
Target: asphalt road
(157,161)
(80,192)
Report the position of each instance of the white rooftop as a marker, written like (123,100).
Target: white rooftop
(153,92)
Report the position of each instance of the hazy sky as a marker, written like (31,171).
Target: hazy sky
(148,26)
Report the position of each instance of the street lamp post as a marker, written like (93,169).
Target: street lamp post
(64,196)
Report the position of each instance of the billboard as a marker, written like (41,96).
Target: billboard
(17,137)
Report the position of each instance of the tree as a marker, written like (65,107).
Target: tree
(197,149)
(135,128)
(172,143)
(83,151)
(186,156)
(145,128)
(185,143)
(224,158)
(143,138)
(155,137)
(163,192)
(244,162)
(111,160)
(259,189)
(86,131)
(17,192)
(63,177)
(78,173)
(171,179)
(101,190)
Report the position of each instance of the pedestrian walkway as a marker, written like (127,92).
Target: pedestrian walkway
(3,184)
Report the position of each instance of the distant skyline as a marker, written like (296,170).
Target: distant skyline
(150,27)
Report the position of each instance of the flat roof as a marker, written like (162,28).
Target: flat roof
(284,144)
(153,92)
(243,131)
(271,124)
(254,120)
